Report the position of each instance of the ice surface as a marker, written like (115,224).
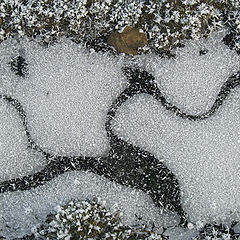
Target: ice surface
(8,80)
(203,155)
(15,158)
(66,96)
(33,206)
(191,80)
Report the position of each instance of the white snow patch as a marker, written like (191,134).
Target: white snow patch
(66,97)
(191,81)
(205,155)
(16,159)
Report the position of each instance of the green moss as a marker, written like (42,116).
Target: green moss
(88,220)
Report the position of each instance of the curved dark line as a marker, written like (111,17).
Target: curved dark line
(54,168)
(143,82)
(17,105)
(56,164)
(140,82)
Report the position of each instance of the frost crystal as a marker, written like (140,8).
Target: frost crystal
(167,23)
(88,220)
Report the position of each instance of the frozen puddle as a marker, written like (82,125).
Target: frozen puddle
(66,95)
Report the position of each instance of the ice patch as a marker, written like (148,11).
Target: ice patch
(192,80)
(203,155)
(16,159)
(66,96)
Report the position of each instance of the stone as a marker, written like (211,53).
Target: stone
(128,41)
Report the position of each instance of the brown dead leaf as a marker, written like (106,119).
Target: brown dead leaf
(128,41)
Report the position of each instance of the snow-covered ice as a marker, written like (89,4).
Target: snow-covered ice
(66,95)
(204,155)
(192,80)
(16,159)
